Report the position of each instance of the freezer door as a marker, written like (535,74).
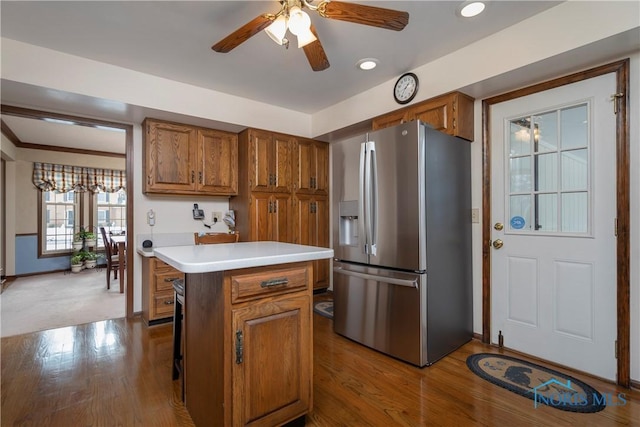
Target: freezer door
(348,224)
(382,309)
(396,177)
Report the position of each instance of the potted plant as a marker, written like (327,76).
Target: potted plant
(90,259)
(78,242)
(90,239)
(76,263)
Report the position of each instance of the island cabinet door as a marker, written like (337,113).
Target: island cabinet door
(272,361)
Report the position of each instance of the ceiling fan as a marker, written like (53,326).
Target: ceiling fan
(292,17)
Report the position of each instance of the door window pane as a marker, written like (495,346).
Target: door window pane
(549,185)
(58,221)
(546,175)
(520,209)
(545,132)
(574,125)
(520,168)
(575,168)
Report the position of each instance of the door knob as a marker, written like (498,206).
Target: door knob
(498,244)
(498,226)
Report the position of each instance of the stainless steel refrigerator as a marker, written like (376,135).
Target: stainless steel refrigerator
(402,241)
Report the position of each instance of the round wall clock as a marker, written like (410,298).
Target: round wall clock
(405,88)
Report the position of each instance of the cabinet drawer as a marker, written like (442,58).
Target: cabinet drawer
(163,305)
(263,282)
(164,280)
(158,264)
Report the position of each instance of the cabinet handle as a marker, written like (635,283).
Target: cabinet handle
(168,302)
(239,347)
(275,207)
(200,177)
(274,282)
(171,279)
(270,208)
(310,182)
(313,183)
(193,177)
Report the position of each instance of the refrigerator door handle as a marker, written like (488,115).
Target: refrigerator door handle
(392,280)
(373,199)
(361,196)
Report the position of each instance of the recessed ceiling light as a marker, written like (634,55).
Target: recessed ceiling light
(469,9)
(367,64)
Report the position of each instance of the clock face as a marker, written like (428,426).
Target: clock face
(406,88)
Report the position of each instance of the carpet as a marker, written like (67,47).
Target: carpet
(542,385)
(48,301)
(324,308)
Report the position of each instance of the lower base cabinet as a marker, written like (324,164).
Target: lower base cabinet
(157,290)
(248,345)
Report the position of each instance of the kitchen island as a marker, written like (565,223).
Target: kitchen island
(248,326)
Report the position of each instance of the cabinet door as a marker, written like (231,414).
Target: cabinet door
(281,163)
(305,161)
(438,113)
(272,361)
(391,119)
(218,162)
(260,216)
(321,181)
(304,222)
(281,218)
(170,158)
(260,154)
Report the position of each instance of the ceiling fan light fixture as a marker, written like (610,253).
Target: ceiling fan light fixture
(305,38)
(471,8)
(299,21)
(277,29)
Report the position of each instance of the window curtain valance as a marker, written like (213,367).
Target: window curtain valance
(64,178)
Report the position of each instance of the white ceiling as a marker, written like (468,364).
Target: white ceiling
(173,39)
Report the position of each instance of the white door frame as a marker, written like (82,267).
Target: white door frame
(621,69)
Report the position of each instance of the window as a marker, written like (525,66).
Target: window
(110,212)
(549,171)
(59,213)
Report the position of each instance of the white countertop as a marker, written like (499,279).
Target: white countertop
(230,256)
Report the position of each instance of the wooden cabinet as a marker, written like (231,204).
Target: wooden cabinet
(269,160)
(248,345)
(312,228)
(157,290)
(451,113)
(182,159)
(270,217)
(281,177)
(311,167)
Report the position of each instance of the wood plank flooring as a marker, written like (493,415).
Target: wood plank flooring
(118,373)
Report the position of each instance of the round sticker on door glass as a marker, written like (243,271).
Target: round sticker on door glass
(517,223)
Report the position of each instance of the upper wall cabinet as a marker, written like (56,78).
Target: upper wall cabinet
(182,159)
(269,160)
(311,166)
(451,113)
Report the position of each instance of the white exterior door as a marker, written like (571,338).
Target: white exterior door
(553,190)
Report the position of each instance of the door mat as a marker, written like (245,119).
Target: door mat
(542,385)
(324,308)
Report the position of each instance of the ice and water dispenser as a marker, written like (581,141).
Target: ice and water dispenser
(349,223)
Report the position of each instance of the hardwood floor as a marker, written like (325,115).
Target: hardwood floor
(118,372)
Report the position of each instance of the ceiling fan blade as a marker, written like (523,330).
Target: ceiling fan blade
(315,53)
(243,33)
(366,15)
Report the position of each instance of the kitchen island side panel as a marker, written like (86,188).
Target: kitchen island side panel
(204,338)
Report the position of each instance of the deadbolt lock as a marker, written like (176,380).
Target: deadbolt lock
(498,226)
(498,244)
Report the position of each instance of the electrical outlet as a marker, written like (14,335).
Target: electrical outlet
(475,215)
(216,217)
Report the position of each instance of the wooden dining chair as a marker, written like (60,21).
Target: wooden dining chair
(208,238)
(113,263)
(179,310)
